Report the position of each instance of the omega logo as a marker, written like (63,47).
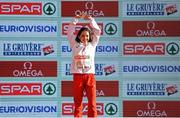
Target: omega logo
(27,71)
(90,10)
(89,5)
(27,65)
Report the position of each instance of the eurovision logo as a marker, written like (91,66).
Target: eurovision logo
(29,108)
(147,67)
(103,49)
(28,28)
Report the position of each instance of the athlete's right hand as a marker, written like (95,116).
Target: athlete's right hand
(78,16)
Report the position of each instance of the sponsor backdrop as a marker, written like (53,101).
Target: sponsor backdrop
(137,64)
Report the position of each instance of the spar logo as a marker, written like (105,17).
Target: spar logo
(27,8)
(110,29)
(27,89)
(49,8)
(68,108)
(111,109)
(21,89)
(150,48)
(172,48)
(143,48)
(49,88)
(78,27)
(151,111)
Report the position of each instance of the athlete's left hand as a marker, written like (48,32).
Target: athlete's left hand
(86,17)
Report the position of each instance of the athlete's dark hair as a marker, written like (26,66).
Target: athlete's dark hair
(79,33)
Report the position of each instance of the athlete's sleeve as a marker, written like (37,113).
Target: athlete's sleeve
(96,31)
(70,33)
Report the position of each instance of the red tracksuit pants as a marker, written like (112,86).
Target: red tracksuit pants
(85,82)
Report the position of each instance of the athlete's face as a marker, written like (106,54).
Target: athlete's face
(84,37)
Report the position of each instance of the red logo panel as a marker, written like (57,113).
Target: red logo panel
(78,27)
(20,89)
(28,69)
(103,89)
(68,108)
(93,8)
(151,28)
(20,8)
(144,48)
(151,108)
